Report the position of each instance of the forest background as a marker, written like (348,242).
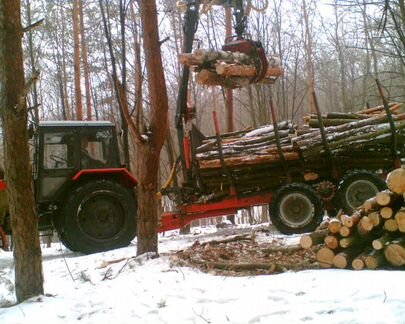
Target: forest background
(345,45)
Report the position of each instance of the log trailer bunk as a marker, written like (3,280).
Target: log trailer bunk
(294,207)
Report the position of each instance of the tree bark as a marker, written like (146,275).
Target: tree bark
(24,221)
(86,69)
(149,151)
(76,63)
(310,64)
(32,61)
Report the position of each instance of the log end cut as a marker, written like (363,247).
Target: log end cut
(396,181)
(325,257)
(395,254)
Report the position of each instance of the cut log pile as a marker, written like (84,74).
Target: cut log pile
(372,237)
(228,69)
(256,163)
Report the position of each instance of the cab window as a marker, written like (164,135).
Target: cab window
(58,150)
(96,148)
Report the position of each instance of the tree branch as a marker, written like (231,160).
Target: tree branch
(125,110)
(31,81)
(34,25)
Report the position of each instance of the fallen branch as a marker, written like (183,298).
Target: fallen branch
(224,241)
(105,264)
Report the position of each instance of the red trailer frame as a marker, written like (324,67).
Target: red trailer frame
(190,212)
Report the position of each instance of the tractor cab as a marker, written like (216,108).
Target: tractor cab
(64,148)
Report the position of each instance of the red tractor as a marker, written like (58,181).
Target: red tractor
(81,188)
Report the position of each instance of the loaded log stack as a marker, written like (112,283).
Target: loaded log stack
(256,164)
(372,237)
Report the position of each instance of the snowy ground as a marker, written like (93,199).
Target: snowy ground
(152,291)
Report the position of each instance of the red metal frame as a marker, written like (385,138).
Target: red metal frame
(187,213)
(3,185)
(123,171)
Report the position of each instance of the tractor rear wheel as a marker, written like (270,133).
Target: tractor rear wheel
(98,216)
(356,187)
(296,208)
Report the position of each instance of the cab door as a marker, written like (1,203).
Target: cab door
(57,162)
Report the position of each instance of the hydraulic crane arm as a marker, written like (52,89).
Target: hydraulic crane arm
(190,24)
(239,44)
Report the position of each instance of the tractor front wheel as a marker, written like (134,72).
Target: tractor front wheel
(98,216)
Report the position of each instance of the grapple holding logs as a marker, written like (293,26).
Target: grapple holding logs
(242,61)
(255,51)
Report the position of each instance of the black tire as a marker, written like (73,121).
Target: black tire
(356,187)
(296,208)
(98,216)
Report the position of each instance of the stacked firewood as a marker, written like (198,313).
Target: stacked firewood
(228,69)
(372,237)
(255,162)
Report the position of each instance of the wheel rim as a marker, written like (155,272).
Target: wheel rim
(358,192)
(296,210)
(101,216)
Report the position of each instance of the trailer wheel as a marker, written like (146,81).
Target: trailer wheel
(296,208)
(356,187)
(98,216)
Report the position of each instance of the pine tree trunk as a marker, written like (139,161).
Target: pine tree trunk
(148,163)
(86,69)
(149,151)
(32,62)
(310,67)
(64,78)
(76,63)
(24,221)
